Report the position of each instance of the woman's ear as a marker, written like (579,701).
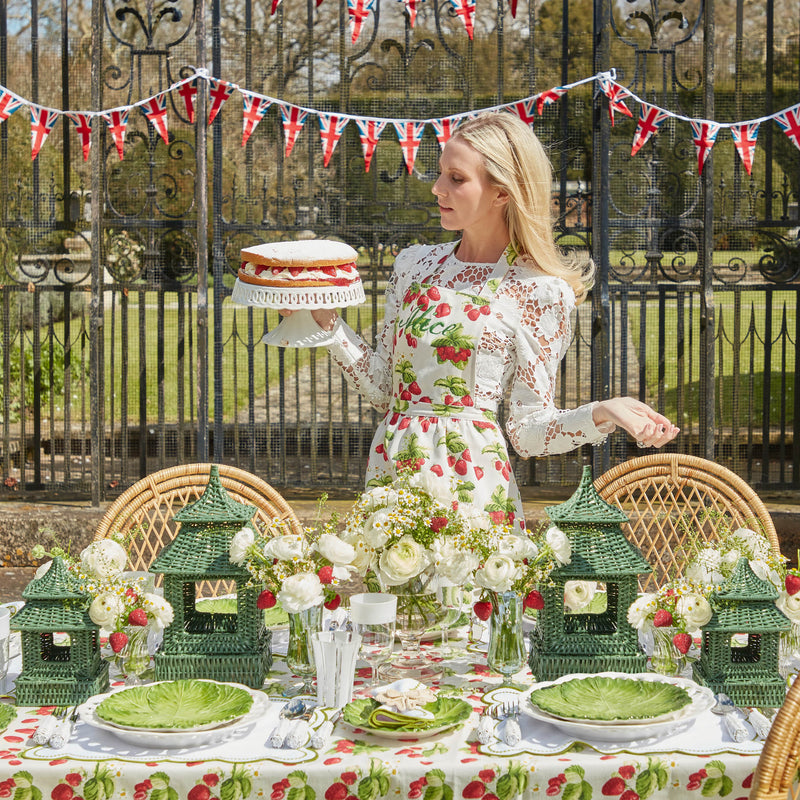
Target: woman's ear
(501,199)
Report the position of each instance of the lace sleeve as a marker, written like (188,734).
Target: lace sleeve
(535,426)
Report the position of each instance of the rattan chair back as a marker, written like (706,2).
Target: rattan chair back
(670,496)
(152,502)
(776,774)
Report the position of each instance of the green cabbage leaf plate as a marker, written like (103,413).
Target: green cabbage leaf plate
(447,713)
(607,699)
(176,705)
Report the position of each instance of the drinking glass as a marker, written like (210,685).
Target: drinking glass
(373,615)
(451,598)
(5,642)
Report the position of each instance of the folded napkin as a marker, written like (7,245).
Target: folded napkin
(320,737)
(510,732)
(485,730)
(279,734)
(45,730)
(761,724)
(61,735)
(298,735)
(401,703)
(737,730)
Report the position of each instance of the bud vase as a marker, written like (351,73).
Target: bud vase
(666,658)
(134,659)
(789,651)
(506,653)
(300,652)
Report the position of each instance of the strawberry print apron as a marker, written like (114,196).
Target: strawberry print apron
(433,423)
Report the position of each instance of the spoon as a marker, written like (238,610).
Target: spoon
(296,709)
(724,705)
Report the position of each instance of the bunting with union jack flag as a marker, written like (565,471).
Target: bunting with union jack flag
(411,10)
(155,109)
(42,122)
(409,134)
(117,121)
(548,97)
(254,106)
(616,95)
(704,134)
(293,120)
(9,103)
(465,10)
(524,109)
(218,92)
(444,128)
(189,93)
(650,119)
(369,131)
(744,139)
(358,10)
(83,127)
(789,120)
(331,128)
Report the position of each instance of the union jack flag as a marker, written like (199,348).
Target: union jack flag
(275,4)
(218,91)
(444,128)
(524,109)
(188,92)
(254,106)
(358,10)
(331,128)
(512,4)
(409,135)
(369,131)
(42,122)
(155,109)
(789,121)
(83,126)
(466,10)
(704,136)
(744,138)
(8,104)
(117,121)
(548,97)
(650,119)
(616,95)
(293,120)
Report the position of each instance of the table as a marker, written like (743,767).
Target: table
(701,762)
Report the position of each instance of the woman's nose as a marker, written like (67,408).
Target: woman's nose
(435,188)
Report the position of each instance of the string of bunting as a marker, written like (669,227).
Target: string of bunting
(409,131)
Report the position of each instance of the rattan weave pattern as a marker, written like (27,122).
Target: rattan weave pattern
(660,490)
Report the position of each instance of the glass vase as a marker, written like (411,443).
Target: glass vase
(506,653)
(789,651)
(666,658)
(134,659)
(300,652)
(417,610)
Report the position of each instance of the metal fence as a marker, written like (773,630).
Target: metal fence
(121,352)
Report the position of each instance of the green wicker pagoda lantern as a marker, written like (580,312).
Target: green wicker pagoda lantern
(740,642)
(223,647)
(61,663)
(564,642)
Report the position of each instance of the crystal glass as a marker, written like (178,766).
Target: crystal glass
(506,643)
(5,642)
(134,658)
(666,658)
(300,652)
(373,616)
(451,599)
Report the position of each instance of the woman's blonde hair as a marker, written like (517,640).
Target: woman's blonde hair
(516,163)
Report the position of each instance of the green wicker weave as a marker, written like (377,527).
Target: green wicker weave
(564,643)
(52,673)
(223,647)
(748,675)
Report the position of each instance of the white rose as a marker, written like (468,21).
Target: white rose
(105,609)
(300,591)
(640,611)
(766,573)
(517,547)
(694,609)
(730,559)
(710,558)
(756,543)
(498,573)
(578,594)
(560,544)
(240,544)
(452,563)
(364,554)
(286,548)
(789,604)
(337,551)
(376,529)
(157,608)
(104,558)
(698,573)
(402,561)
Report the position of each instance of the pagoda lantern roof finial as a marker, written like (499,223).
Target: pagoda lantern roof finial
(586,506)
(215,505)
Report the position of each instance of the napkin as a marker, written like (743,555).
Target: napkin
(401,702)
(510,732)
(279,733)
(760,723)
(736,728)
(298,735)
(45,730)
(485,730)
(61,735)
(319,737)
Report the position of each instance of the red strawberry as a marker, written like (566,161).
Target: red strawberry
(465,454)
(485,310)
(442,310)
(436,469)
(460,467)
(473,314)
(478,472)
(534,599)
(466,400)
(482,609)
(333,603)
(118,640)
(325,574)
(682,642)
(423,302)
(266,599)
(613,787)
(137,617)
(627,771)
(425,399)
(414,388)
(498,516)
(406,395)
(437,523)
(434,295)
(629,794)
(404,423)
(792,583)
(662,618)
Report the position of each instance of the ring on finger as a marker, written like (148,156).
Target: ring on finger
(640,444)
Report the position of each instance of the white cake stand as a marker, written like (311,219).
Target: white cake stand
(299,329)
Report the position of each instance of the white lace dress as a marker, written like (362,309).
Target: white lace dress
(456,339)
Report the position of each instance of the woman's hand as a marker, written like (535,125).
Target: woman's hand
(646,426)
(324,317)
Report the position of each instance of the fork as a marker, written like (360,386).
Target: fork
(510,732)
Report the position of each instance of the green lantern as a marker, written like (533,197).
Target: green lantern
(61,663)
(201,644)
(565,642)
(740,642)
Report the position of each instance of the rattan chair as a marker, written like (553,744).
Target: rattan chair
(152,502)
(776,774)
(663,492)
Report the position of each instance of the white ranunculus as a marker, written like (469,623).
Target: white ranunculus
(694,609)
(497,574)
(641,610)
(578,594)
(402,561)
(560,544)
(437,488)
(240,544)
(729,559)
(698,573)
(755,543)
(380,497)
(376,529)
(157,608)
(42,569)
(105,609)
(286,548)
(364,554)
(301,591)
(766,573)
(789,604)
(517,547)
(452,563)
(104,558)
(475,518)
(710,558)
(336,550)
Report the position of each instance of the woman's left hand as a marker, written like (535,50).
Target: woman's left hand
(646,426)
